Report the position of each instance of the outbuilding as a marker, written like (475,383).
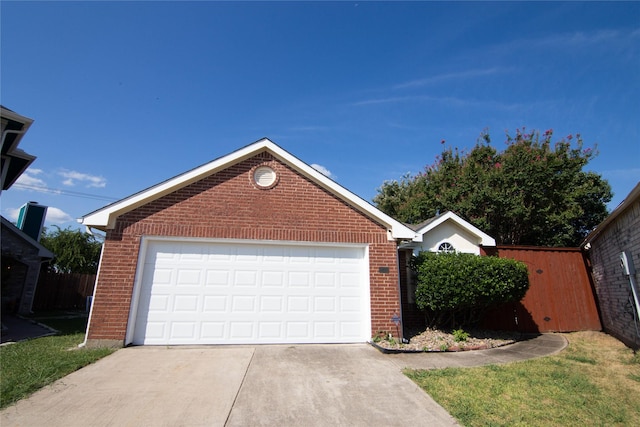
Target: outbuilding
(254,247)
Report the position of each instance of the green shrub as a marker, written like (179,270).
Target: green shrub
(457,288)
(460,335)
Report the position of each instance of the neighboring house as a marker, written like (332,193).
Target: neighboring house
(445,232)
(614,251)
(254,247)
(22,255)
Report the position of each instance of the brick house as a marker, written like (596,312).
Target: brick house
(616,279)
(253,247)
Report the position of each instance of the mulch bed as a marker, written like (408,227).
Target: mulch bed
(435,340)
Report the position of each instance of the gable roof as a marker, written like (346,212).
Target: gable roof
(431,223)
(105,218)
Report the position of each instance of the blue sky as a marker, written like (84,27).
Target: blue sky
(128,94)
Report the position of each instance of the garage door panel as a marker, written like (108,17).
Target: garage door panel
(271,330)
(212,331)
(298,330)
(215,293)
(188,277)
(297,279)
(240,331)
(155,330)
(159,303)
(298,304)
(271,279)
(217,278)
(215,304)
(185,303)
(183,330)
(243,303)
(245,278)
(324,304)
(271,304)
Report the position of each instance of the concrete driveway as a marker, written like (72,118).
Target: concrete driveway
(283,385)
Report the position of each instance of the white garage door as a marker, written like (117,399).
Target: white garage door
(198,292)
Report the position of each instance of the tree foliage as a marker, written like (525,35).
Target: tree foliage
(457,289)
(75,251)
(531,193)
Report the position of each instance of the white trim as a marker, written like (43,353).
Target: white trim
(137,285)
(485,239)
(145,241)
(93,299)
(105,218)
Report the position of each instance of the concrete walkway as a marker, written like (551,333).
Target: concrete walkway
(277,385)
(16,329)
(537,346)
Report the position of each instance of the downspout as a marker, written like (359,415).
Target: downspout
(93,299)
(626,262)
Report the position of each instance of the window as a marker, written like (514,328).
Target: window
(446,247)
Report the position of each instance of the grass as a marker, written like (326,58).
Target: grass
(595,381)
(30,365)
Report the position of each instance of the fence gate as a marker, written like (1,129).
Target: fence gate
(560,298)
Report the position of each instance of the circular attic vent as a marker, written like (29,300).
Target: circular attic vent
(265,177)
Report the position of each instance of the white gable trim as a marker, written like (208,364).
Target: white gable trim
(485,239)
(105,218)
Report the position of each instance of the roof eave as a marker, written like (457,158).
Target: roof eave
(631,197)
(105,218)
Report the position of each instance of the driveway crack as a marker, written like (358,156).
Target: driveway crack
(244,377)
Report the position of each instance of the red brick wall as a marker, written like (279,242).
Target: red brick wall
(229,205)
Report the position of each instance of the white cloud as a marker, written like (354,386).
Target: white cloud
(73,177)
(54,215)
(29,179)
(57,216)
(308,128)
(467,74)
(324,171)
(12,214)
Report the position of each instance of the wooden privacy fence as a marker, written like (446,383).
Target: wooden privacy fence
(63,291)
(560,296)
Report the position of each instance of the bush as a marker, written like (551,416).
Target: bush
(457,289)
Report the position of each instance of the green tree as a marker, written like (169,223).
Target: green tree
(75,251)
(534,192)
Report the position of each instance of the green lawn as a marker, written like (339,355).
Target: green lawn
(595,382)
(30,365)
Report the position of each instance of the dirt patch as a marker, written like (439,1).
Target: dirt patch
(439,340)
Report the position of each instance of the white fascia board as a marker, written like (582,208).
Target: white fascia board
(12,115)
(485,239)
(26,124)
(105,218)
(396,228)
